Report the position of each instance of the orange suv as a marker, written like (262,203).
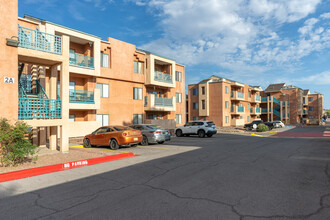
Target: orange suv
(114,136)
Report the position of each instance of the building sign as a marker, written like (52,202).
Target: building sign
(9,80)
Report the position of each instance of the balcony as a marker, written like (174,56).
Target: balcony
(82,99)
(153,103)
(80,60)
(237,110)
(305,112)
(264,110)
(81,96)
(255,111)
(256,98)
(163,77)
(38,108)
(237,95)
(37,40)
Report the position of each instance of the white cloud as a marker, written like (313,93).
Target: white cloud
(317,79)
(236,35)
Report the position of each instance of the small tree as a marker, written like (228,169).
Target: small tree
(328,112)
(262,128)
(15,148)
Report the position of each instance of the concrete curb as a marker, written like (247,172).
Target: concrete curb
(5,177)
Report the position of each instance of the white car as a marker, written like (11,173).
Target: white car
(278,124)
(201,128)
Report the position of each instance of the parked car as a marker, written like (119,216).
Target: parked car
(254,124)
(278,124)
(201,128)
(114,136)
(152,134)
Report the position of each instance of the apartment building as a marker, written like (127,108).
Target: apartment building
(291,104)
(223,101)
(66,83)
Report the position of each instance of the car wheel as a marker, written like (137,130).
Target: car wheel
(114,145)
(209,135)
(161,142)
(134,145)
(144,141)
(201,133)
(178,133)
(87,143)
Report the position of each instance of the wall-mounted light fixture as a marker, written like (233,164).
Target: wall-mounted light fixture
(13,41)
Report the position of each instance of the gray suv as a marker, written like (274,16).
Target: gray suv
(152,134)
(201,128)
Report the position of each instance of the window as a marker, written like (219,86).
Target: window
(152,117)
(72,86)
(195,118)
(195,91)
(226,90)
(311,117)
(72,55)
(240,117)
(138,67)
(178,76)
(195,105)
(248,118)
(104,60)
(310,99)
(137,119)
(310,108)
(137,93)
(226,104)
(203,104)
(103,119)
(203,90)
(227,119)
(248,106)
(104,89)
(72,118)
(178,97)
(178,119)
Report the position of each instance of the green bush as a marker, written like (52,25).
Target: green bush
(15,148)
(262,128)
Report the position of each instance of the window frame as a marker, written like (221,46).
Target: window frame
(137,93)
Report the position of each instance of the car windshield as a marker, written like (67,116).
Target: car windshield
(122,128)
(153,127)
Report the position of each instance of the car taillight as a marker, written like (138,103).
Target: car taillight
(125,134)
(157,132)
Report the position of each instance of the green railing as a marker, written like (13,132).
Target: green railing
(264,110)
(258,98)
(163,77)
(81,96)
(31,108)
(37,40)
(264,99)
(275,100)
(258,110)
(240,95)
(31,87)
(163,102)
(81,60)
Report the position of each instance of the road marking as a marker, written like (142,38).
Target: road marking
(273,131)
(258,135)
(165,148)
(115,151)
(311,158)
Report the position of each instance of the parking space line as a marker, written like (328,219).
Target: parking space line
(115,151)
(165,148)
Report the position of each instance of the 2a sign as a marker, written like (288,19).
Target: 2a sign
(9,80)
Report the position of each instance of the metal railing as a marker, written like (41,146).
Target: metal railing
(163,77)
(81,96)
(258,110)
(240,109)
(240,95)
(264,110)
(31,108)
(37,40)
(81,60)
(31,87)
(258,98)
(163,102)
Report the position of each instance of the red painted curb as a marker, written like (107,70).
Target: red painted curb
(59,167)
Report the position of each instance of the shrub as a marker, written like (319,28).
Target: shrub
(15,148)
(262,128)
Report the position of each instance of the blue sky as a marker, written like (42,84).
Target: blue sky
(252,41)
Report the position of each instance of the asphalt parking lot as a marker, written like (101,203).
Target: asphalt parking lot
(223,177)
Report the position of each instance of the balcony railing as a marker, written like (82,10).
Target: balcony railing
(32,108)
(258,98)
(258,110)
(81,96)
(163,77)
(37,40)
(166,102)
(264,110)
(240,95)
(240,109)
(81,60)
